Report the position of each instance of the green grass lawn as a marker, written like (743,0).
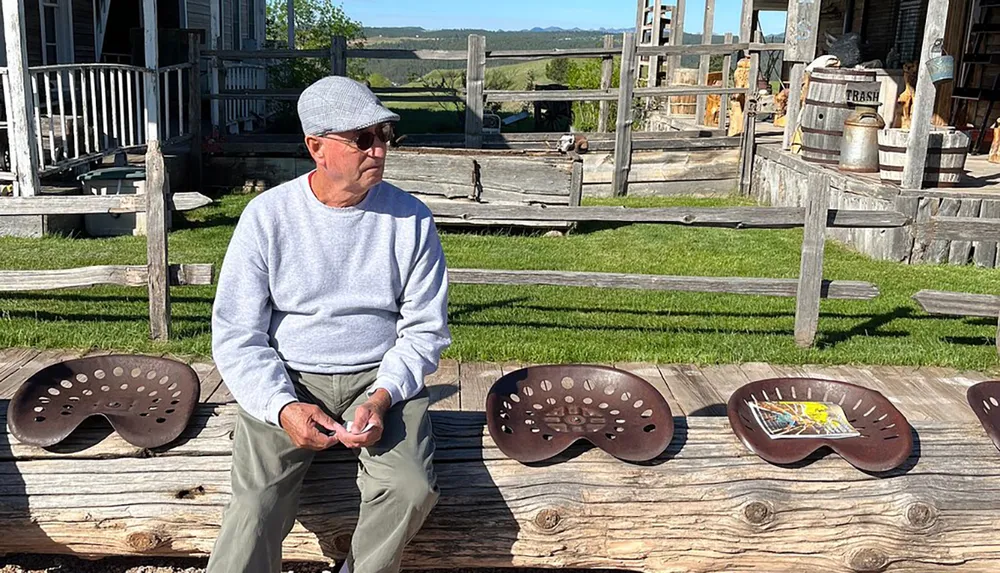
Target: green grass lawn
(552,324)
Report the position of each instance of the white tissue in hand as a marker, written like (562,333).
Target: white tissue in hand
(368,427)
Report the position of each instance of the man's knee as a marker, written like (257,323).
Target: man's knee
(416,490)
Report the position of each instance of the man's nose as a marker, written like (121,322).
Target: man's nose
(378,150)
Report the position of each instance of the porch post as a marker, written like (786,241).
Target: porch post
(21,112)
(156,186)
(923,100)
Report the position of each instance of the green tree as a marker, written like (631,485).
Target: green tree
(558,69)
(316,23)
(377,80)
(586,75)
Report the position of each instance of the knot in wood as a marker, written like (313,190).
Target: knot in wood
(547,519)
(688,219)
(143,540)
(758,513)
(868,560)
(921,515)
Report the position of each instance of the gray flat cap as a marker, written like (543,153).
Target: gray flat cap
(336,104)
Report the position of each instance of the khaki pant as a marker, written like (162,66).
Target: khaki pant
(395,477)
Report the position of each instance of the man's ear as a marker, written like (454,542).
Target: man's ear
(315,147)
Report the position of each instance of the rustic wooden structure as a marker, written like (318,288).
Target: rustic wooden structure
(157,274)
(706,504)
(478,55)
(956,225)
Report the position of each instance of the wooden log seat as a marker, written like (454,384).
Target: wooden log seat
(705,504)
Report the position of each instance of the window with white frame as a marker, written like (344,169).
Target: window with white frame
(57,31)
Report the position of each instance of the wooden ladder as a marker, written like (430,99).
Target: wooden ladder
(971,88)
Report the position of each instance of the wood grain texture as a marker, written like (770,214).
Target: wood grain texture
(121,275)
(95,204)
(705,493)
(444,386)
(475,74)
(623,124)
(854,290)
(24,154)
(731,217)
(811,266)
(958,303)
(984,253)
(477,379)
(924,97)
(607,68)
(960,251)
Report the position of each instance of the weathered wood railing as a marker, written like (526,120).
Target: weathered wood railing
(83,112)
(157,274)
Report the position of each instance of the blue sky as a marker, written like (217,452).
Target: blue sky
(522,14)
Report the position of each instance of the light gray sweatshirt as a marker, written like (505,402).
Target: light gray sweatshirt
(331,291)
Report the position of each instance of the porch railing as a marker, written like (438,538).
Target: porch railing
(240,76)
(84,112)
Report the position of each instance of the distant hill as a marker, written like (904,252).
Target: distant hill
(415,38)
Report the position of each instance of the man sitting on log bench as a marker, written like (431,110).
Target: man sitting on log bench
(331,308)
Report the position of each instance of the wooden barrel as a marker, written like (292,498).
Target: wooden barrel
(946,153)
(824,112)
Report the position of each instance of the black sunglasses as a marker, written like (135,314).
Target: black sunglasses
(366,139)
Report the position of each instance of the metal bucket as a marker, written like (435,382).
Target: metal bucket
(941,68)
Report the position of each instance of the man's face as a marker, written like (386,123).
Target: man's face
(355,160)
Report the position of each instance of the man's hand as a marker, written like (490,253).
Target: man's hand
(303,421)
(371,412)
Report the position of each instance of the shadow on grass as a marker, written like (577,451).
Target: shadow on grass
(215,220)
(971,340)
(867,328)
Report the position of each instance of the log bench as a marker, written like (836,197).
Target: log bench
(706,504)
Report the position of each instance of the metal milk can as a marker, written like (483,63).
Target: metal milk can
(859,146)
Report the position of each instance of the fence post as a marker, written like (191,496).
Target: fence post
(475,74)
(338,56)
(607,68)
(750,112)
(623,127)
(20,108)
(811,266)
(703,64)
(194,114)
(156,187)
(727,82)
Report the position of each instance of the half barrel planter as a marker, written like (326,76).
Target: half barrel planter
(947,149)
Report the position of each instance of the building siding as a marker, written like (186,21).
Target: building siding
(83,31)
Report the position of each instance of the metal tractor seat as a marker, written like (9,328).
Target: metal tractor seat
(537,412)
(148,400)
(984,398)
(784,420)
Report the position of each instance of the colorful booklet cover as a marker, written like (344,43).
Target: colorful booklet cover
(802,420)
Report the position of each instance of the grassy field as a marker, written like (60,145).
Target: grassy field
(433,117)
(559,324)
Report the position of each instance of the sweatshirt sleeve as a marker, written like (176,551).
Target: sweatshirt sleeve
(422,328)
(241,318)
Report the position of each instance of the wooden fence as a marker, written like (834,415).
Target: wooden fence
(156,274)
(475,96)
